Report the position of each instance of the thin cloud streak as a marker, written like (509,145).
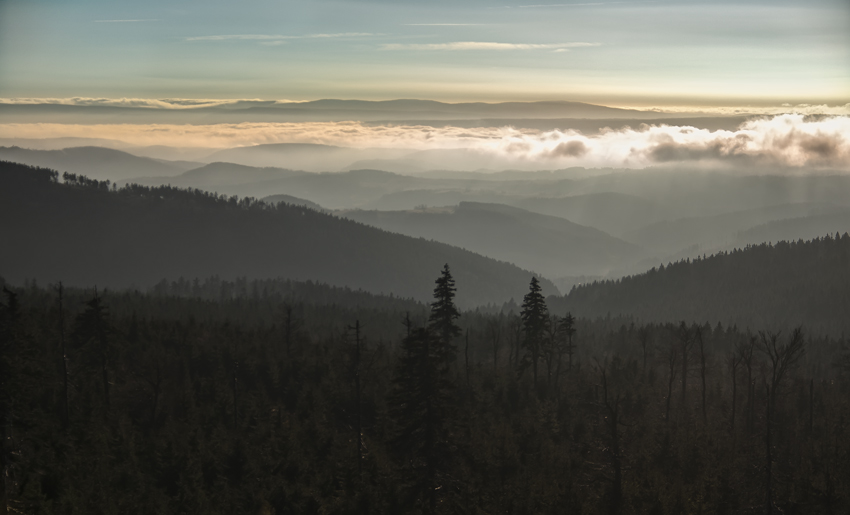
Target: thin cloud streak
(486,45)
(151,103)
(790,140)
(267,37)
(533,6)
(122,21)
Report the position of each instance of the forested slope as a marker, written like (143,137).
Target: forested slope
(775,286)
(94,162)
(83,233)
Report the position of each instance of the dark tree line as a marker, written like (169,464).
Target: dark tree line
(776,286)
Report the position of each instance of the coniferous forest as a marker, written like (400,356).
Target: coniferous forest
(275,396)
(419,257)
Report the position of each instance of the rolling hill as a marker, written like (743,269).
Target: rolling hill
(219,177)
(83,233)
(548,245)
(612,212)
(302,156)
(95,162)
(295,201)
(735,228)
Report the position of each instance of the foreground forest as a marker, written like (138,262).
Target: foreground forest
(284,397)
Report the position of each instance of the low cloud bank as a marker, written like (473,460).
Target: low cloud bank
(789,140)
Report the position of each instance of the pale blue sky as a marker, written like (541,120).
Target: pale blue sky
(616,53)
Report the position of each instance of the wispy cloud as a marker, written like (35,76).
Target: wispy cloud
(121,21)
(152,103)
(534,6)
(487,45)
(277,37)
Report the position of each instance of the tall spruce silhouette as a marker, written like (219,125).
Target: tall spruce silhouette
(443,315)
(93,334)
(535,318)
(422,403)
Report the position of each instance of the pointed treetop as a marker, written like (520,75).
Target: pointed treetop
(444,312)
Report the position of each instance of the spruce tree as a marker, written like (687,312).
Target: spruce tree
(422,401)
(441,323)
(93,334)
(535,318)
(421,407)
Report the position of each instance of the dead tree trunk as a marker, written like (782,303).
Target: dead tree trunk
(613,422)
(701,344)
(66,402)
(495,329)
(466,357)
(358,411)
(672,359)
(734,361)
(685,342)
(768,456)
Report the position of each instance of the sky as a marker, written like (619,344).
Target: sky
(624,53)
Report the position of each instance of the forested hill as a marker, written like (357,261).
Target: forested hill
(83,232)
(761,286)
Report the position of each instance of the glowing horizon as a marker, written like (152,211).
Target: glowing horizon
(673,53)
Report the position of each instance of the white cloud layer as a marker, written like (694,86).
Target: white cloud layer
(788,140)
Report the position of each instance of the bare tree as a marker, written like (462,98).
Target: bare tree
(66,407)
(701,346)
(745,351)
(565,332)
(644,337)
(515,332)
(612,423)
(782,358)
(494,332)
(686,341)
(357,406)
(672,358)
(734,360)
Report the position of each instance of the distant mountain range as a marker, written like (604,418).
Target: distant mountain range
(552,246)
(327,110)
(670,213)
(84,234)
